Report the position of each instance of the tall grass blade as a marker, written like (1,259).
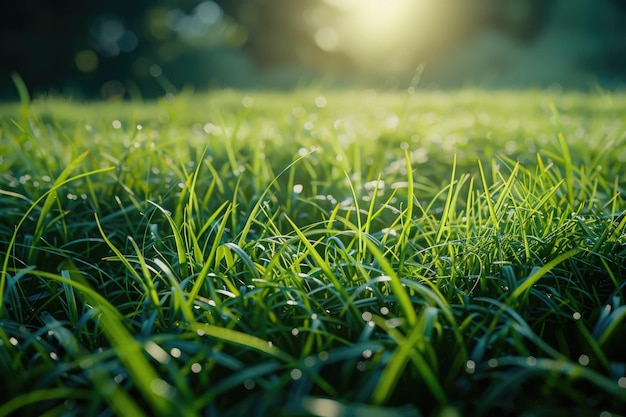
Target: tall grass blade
(537,274)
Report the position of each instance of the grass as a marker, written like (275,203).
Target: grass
(339,254)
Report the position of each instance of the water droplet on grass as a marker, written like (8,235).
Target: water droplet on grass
(296,374)
(247,101)
(160,387)
(320,102)
(470,366)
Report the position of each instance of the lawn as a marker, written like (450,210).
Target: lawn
(345,253)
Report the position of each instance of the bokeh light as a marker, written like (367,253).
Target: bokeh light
(203,44)
(374,30)
(86,60)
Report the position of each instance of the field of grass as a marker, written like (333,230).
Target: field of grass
(307,254)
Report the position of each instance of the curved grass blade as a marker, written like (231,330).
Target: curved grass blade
(157,393)
(46,195)
(539,273)
(241,339)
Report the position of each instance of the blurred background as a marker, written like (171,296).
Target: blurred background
(128,49)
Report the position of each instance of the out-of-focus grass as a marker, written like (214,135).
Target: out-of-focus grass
(345,253)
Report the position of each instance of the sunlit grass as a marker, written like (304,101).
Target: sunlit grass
(347,253)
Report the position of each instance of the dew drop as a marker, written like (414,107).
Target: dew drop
(470,366)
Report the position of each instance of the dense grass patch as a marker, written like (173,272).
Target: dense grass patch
(349,253)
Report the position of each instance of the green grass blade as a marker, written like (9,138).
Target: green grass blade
(532,279)
(181,249)
(241,339)
(492,212)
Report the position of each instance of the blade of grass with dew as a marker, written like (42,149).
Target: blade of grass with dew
(209,263)
(610,318)
(447,207)
(25,216)
(146,281)
(323,265)
(357,210)
(567,157)
(405,351)
(49,201)
(399,291)
(540,272)
(492,213)
(13,405)
(592,341)
(117,398)
(154,390)
(181,250)
(246,228)
(180,301)
(241,339)
(403,239)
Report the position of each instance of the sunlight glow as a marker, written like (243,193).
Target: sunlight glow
(373,30)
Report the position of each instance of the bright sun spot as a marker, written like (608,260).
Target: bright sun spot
(371,30)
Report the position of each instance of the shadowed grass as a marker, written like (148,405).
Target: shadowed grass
(433,254)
